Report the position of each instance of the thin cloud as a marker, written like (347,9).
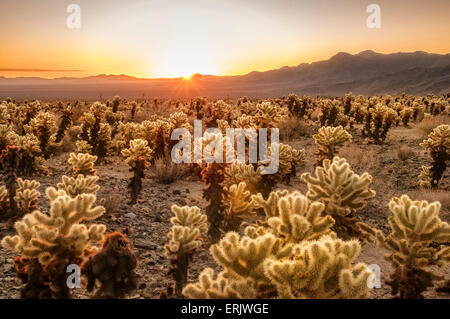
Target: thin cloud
(37,70)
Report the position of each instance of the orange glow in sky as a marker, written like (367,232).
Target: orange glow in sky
(177,38)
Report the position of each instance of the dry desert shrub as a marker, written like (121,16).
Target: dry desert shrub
(166,171)
(293,128)
(67,144)
(315,115)
(425,127)
(404,152)
(111,201)
(360,160)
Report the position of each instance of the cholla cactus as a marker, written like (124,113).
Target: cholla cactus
(27,195)
(343,192)
(288,160)
(438,145)
(95,133)
(238,203)
(213,176)
(82,163)
(379,120)
(270,205)
(416,242)
(332,113)
(425,177)
(157,134)
(211,286)
(124,134)
(64,124)
(269,115)
(244,258)
(103,140)
(112,267)
(188,227)
(7,136)
(222,125)
(299,106)
(4,202)
(292,221)
(44,127)
(180,120)
(296,219)
(348,101)
(137,157)
(115,102)
(30,160)
(218,110)
(245,121)
(358,112)
(5,117)
(329,139)
(238,172)
(83,147)
(10,162)
(48,243)
(114,119)
(406,114)
(417,109)
(79,185)
(320,269)
(31,110)
(134,108)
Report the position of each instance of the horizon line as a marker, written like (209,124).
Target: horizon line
(37,70)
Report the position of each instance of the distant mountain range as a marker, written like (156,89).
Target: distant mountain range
(367,73)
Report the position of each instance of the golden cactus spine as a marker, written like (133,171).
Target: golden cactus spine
(238,202)
(343,192)
(320,269)
(27,195)
(83,163)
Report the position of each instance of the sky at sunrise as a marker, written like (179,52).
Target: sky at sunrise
(172,38)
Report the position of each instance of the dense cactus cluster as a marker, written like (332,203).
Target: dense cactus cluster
(267,241)
(48,243)
(332,114)
(378,121)
(287,258)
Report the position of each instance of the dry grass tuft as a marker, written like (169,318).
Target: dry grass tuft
(425,127)
(360,160)
(293,128)
(111,201)
(404,152)
(166,171)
